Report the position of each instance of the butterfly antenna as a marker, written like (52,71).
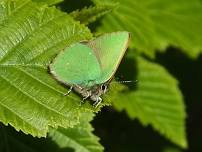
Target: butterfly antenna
(127,81)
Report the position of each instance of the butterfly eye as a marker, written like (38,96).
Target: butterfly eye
(103,87)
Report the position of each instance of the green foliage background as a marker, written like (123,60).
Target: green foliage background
(163,56)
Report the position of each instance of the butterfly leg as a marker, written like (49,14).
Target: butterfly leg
(84,98)
(97,102)
(70,89)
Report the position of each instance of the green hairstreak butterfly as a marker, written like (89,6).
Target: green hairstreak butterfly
(88,67)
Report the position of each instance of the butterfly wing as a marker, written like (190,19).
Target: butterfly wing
(109,50)
(77,64)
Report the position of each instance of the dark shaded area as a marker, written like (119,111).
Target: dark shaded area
(13,141)
(92,26)
(189,74)
(120,134)
(127,71)
(72,5)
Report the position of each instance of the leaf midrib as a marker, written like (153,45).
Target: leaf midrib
(17,8)
(14,49)
(32,98)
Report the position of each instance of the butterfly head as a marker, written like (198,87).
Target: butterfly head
(104,88)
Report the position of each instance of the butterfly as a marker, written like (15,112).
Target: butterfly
(88,67)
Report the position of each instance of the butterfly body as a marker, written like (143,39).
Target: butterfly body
(92,93)
(89,67)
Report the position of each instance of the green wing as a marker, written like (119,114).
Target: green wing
(77,64)
(109,50)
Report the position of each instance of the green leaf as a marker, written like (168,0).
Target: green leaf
(156,24)
(79,138)
(31,35)
(48,2)
(90,14)
(157,101)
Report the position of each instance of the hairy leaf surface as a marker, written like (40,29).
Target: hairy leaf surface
(30,37)
(92,13)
